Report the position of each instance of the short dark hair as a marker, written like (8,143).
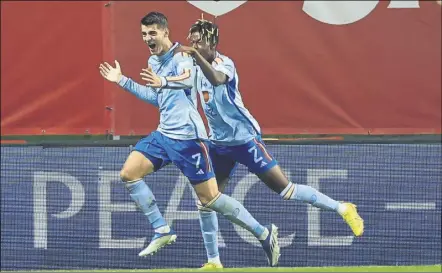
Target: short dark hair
(155,18)
(208,30)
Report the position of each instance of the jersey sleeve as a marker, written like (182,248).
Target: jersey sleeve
(142,92)
(184,71)
(226,66)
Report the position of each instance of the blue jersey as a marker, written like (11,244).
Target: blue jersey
(179,118)
(230,122)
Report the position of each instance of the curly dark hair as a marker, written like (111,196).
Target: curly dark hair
(208,30)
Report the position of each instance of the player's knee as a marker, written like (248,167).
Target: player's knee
(275,179)
(202,208)
(207,191)
(206,198)
(127,176)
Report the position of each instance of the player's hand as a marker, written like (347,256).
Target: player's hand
(187,49)
(112,74)
(152,79)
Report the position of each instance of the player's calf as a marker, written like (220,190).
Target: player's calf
(277,181)
(136,166)
(315,198)
(209,230)
(236,213)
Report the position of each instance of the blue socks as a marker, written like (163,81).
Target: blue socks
(144,198)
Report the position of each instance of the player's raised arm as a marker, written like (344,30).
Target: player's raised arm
(184,71)
(114,74)
(215,77)
(204,38)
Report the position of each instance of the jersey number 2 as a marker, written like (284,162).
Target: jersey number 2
(255,154)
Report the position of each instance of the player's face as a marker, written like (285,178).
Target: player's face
(156,38)
(200,44)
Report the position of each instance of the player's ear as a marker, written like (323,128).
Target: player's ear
(166,32)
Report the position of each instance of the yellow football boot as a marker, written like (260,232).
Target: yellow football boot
(352,218)
(211,266)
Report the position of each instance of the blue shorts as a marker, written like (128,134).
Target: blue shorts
(253,155)
(190,156)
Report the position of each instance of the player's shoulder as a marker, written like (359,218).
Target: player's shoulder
(181,55)
(223,59)
(178,54)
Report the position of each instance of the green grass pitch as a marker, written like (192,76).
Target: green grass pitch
(417,268)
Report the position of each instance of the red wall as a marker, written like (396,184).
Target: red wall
(50,55)
(297,75)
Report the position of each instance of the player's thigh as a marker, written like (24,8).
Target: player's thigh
(222,182)
(255,156)
(275,179)
(260,161)
(223,165)
(136,167)
(193,159)
(148,156)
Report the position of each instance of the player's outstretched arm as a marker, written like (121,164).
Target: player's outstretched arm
(114,74)
(183,69)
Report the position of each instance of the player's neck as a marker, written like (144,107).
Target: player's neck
(167,47)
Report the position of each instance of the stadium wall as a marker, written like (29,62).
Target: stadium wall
(49,68)
(305,67)
(75,214)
